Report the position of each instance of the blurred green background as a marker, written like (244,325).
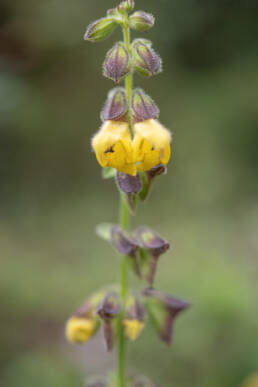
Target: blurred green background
(52,194)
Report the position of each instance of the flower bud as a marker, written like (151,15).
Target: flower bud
(115,108)
(116,65)
(126,6)
(141,21)
(100,29)
(143,107)
(162,310)
(131,186)
(146,61)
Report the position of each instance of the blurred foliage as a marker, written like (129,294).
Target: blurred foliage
(52,195)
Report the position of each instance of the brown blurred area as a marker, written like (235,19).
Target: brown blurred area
(52,195)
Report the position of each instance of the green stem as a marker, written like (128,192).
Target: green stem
(124,223)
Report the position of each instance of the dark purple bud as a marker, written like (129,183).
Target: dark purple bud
(129,184)
(163,309)
(123,242)
(146,61)
(143,107)
(100,29)
(141,21)
(115,108)
(116,65)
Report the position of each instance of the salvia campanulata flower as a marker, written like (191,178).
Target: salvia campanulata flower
(115,148)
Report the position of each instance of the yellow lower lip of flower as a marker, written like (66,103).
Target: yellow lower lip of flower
(113,147)
(133,328)
(151,145)
(79,329)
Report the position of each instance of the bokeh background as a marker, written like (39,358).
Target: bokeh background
(52,194)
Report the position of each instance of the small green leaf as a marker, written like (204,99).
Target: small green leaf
(108,173)
(103,230)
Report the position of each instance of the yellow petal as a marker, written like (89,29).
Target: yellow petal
(133,328)
(113,147)
(79,330)
(151,144)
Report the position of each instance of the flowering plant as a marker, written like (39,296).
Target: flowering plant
(132,147)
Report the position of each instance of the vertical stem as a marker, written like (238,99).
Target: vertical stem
(124,222)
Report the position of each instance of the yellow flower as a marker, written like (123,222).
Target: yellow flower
(80,329)
(151,144)
(113,147)
(133,328)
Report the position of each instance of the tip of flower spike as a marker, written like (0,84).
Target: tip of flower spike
(133,328)
(79,329)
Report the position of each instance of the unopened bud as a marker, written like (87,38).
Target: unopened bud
(143,107)
(100,29)
(126,6)
(141,21)
(146,61)
(115,108)
(130,186)
(116,65)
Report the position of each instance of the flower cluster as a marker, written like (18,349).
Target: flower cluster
(114,145)
(133,147)
(103,310)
